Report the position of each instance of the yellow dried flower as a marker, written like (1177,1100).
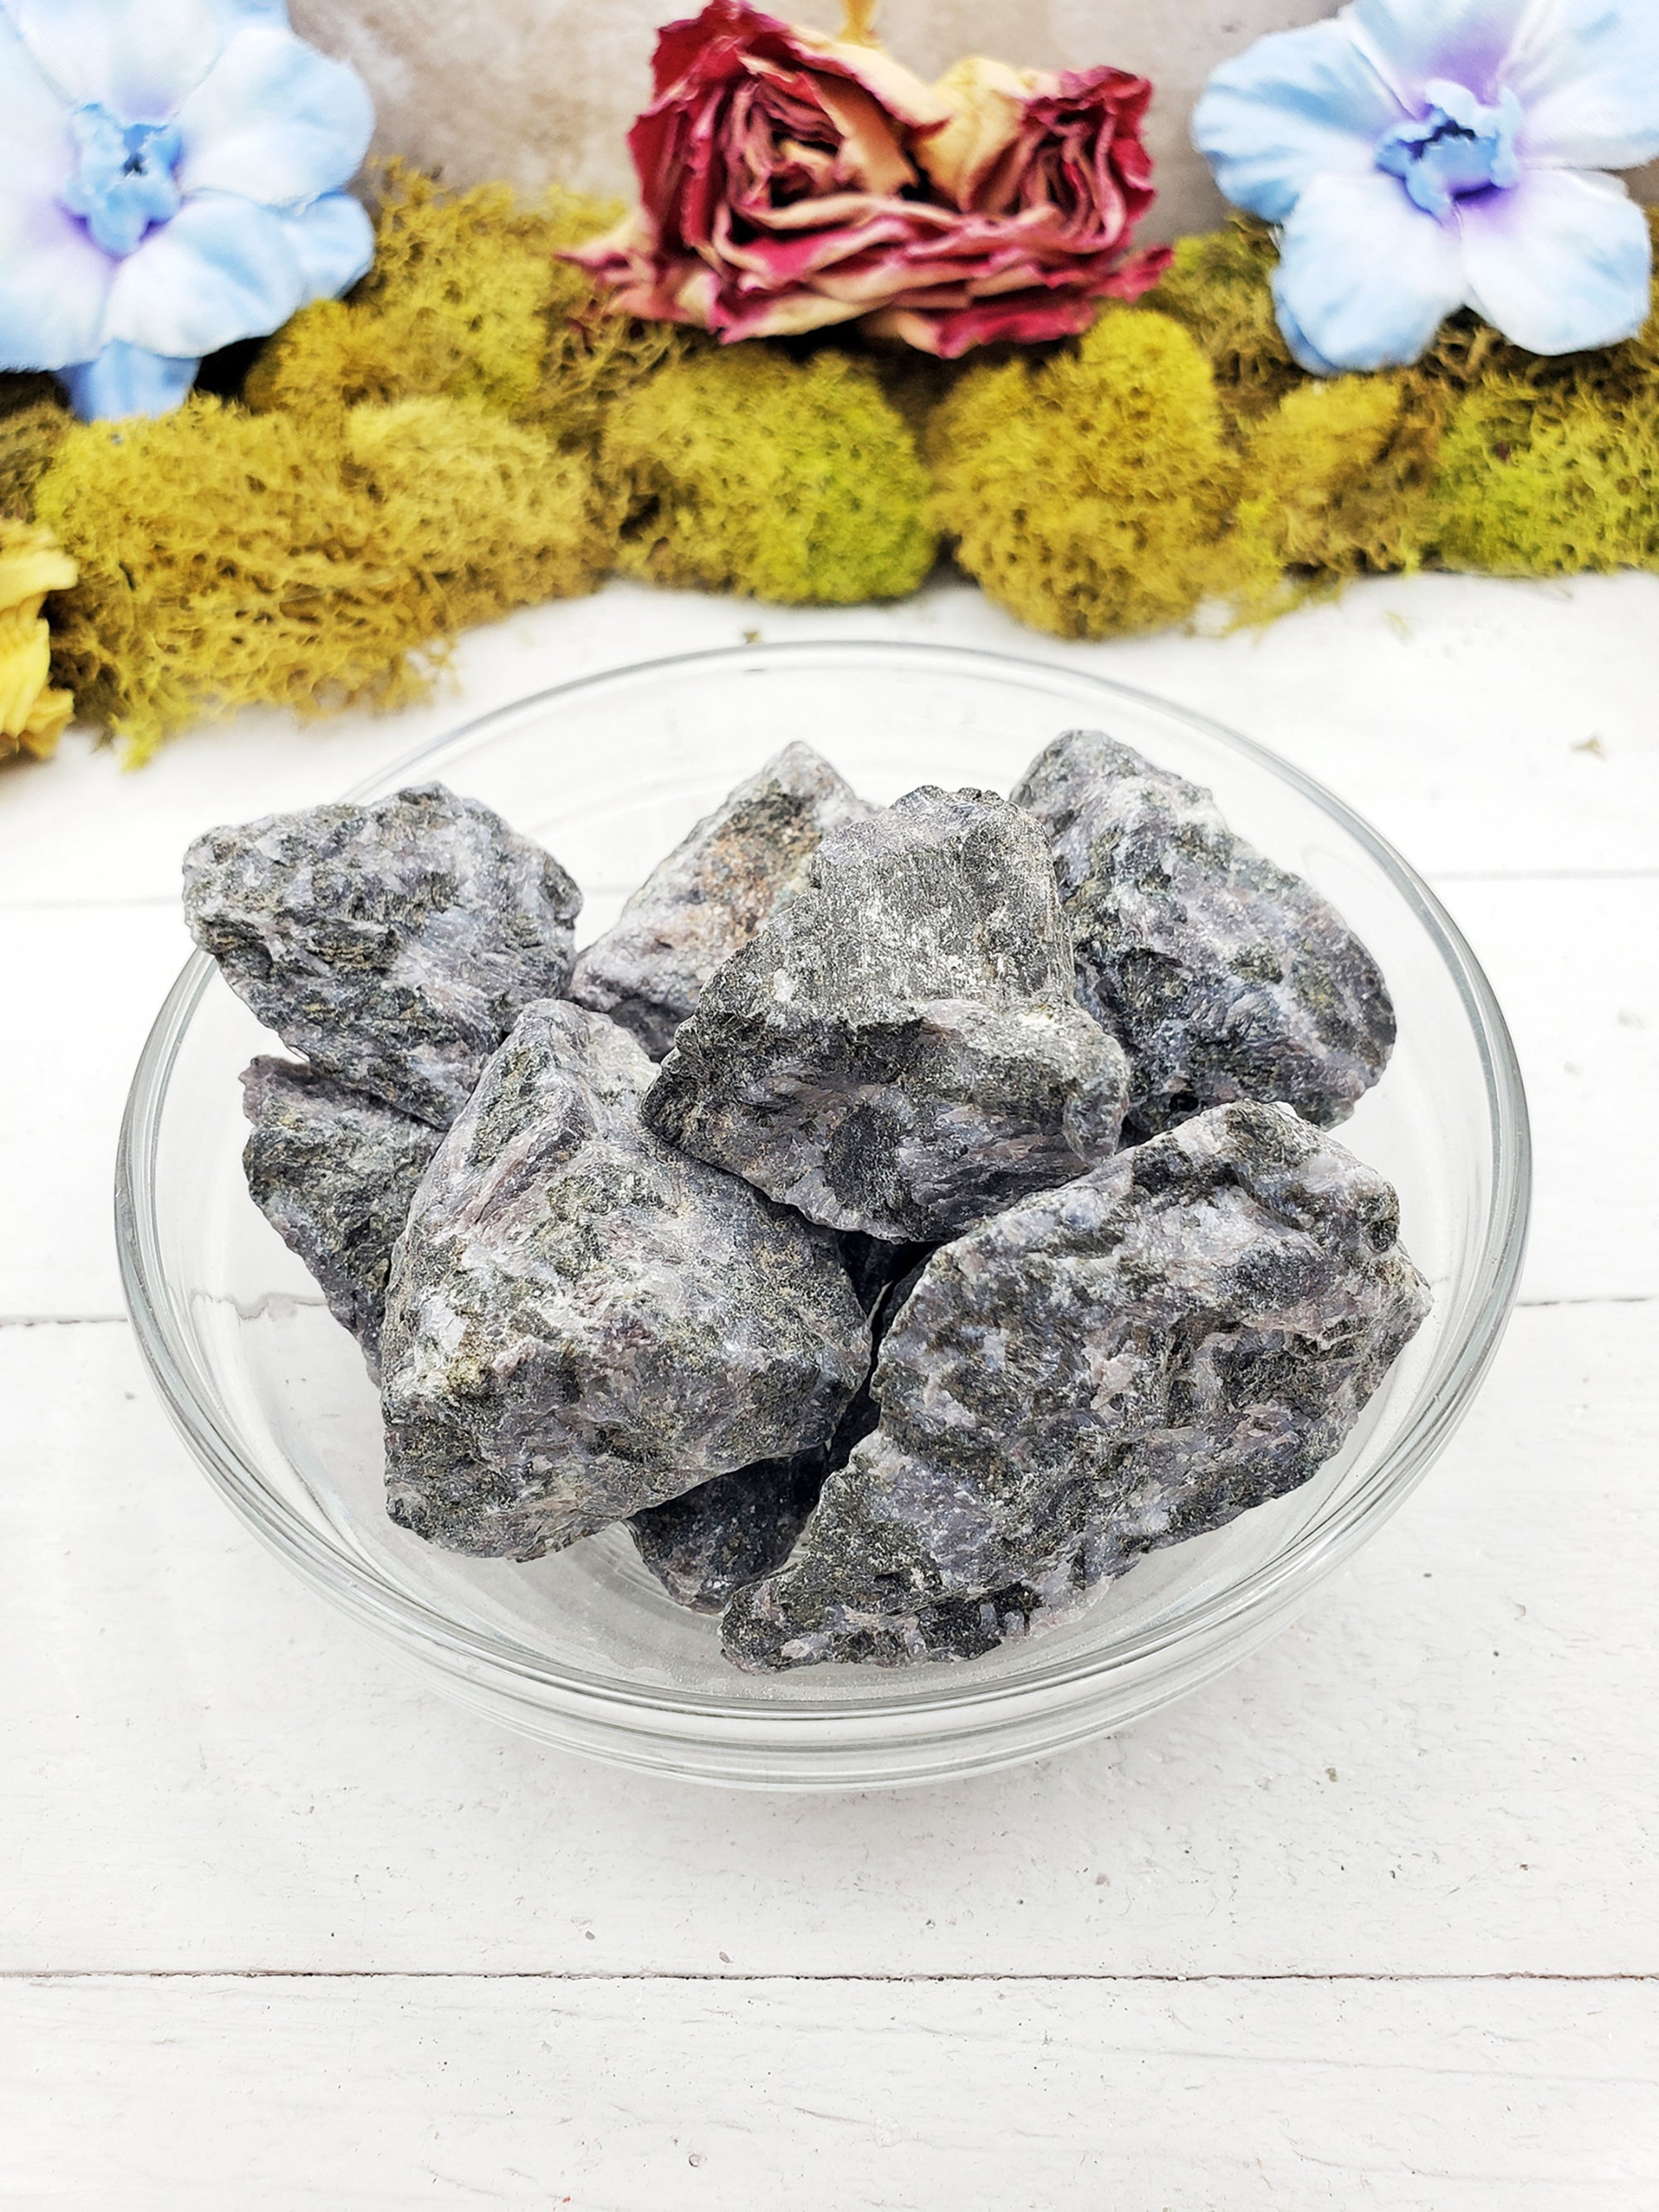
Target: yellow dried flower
(33,716)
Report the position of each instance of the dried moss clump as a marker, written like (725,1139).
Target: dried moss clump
(1534,483)
(1337,482)
(1089,495)
(32,418)
(1219,289)
(467,300)
(228,559)
(790,481)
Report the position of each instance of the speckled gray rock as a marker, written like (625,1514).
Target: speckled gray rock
(1224,976)
(392,944)
(704,1547)
(708,1543)
(582,1322)
(740,864)
(1129,1361)
(900,1051)
(334,1173)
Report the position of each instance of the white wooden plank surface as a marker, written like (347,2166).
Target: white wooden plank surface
(1208,2097)
(1445,1769)
(1451,710)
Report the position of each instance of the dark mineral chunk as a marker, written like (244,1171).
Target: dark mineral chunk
(392,944)
(704,1547)
(731,1531)
(1225,977)
(900,1050)
(714,891)
(582,1322)
(1188,1330)
(334,1174)
(875,1264)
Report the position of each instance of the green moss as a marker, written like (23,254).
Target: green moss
(1337,482)
(1219,288)
(29,436)
(472,431)
(1543,485)
(790,481)
(467,300)
(347,544)
(1089,494)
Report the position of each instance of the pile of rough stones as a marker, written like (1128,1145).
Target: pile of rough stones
(902,1220)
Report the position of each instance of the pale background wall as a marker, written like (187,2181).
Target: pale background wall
(530,89)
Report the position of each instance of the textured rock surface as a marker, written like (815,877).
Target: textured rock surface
(900,1051)
(1111,1367)
(334,1174)
(392,944)
(731,1531)
(582,1322)
(712,892)
(1224,976)
(704,1547)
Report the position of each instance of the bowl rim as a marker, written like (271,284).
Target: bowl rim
(953,1693)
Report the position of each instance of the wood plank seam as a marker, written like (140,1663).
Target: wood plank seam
(804,1978)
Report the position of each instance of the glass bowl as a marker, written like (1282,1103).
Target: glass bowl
(583,1649)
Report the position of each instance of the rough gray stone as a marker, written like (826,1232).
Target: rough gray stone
(740,864)
(708,1543)
(334,1173)
(392,944)
(582,1322)
(705,1545)
(1108,1368)
(1224,976)
(900,1050)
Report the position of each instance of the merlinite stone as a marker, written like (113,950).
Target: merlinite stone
(705,1545)
(729,1531)
(1224,976)
(392,943)
(716,888)
(334,1173)
(900,1050)
(582,1321)
(1132,1359)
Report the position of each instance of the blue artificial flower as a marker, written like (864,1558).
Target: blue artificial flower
(1422,155)
(170,175)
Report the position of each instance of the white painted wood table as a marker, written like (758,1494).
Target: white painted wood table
(1371,1922)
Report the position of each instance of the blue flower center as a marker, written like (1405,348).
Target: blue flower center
(1458,147)
(124,178)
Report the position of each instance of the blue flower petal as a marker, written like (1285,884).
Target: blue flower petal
(137,57)
(1365,278)
(1296,106)
(1304,355)
(275,121)
(54,285)
(125,380)
(334,242)
(232,14)
(36,152)
(1412,41)
(222,270)
(1562,263)
(1587,77)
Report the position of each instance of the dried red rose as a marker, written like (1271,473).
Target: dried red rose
(789,180)
(1051,176)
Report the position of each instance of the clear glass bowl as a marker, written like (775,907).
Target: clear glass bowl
(583,1649)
